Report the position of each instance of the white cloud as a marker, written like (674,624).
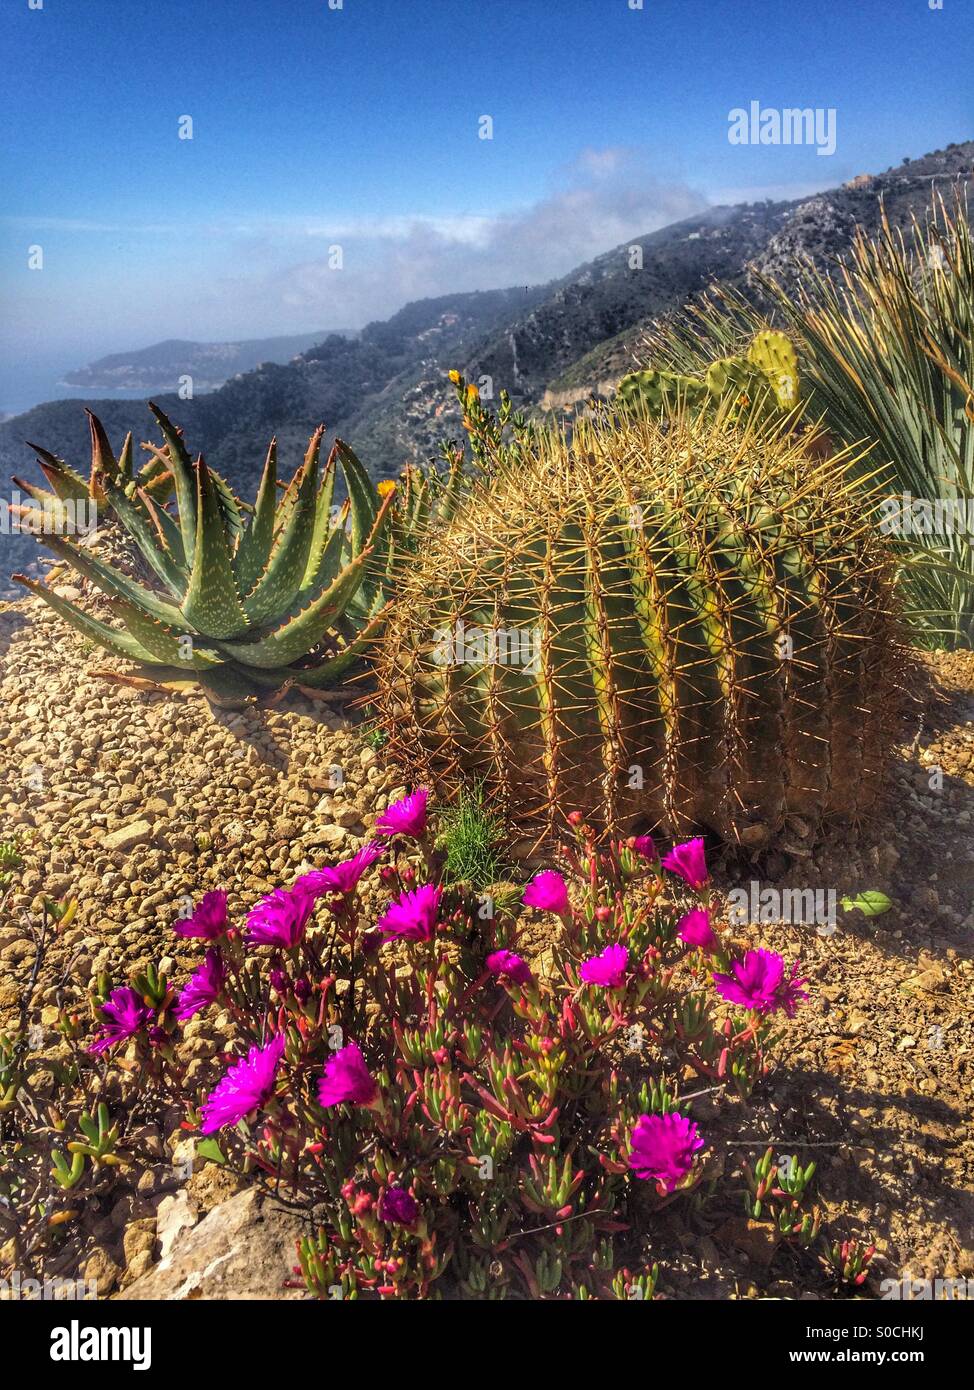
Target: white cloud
(250,276)
(605,197)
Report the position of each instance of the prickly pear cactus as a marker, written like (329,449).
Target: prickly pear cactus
(764,382)
(675,624)
(773,355)
(662,390)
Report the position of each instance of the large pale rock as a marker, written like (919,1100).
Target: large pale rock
(177,1214)
(244,1249)
(129,836)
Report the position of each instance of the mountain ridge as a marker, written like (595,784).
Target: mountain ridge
(549,345)
(160,366)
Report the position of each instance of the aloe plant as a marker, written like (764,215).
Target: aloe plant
(287,591)
(55,507)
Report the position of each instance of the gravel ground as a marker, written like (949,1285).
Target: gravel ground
(135,801)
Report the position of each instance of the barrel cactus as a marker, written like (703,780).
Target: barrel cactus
(669,624)
(287,591)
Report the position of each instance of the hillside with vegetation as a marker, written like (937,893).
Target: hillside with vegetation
(553,344)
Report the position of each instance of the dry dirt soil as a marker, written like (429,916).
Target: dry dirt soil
(134,801)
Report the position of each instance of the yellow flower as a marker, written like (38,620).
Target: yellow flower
(455,378)
(472,393)
(385,487)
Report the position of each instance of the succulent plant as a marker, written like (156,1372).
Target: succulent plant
(680,623)
(154,480)
(285,592)
(765,381)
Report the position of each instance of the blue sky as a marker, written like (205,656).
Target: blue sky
(358,126)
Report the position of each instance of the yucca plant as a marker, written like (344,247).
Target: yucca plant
(288,591)
(889,341)
(661,622)
(885,347)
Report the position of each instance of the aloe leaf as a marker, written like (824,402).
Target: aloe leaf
(68,485)
(231,507)
(212,605)
(254,549)
(279,584)
(103,460)
(361,494)
(52,515)
(120,643)
(302,630)
(113,582)
(330,559)
(167,644)
(182,471)
(327,672)
(167,529)
(126,464)
(155,478)
(324,525)
(139,528)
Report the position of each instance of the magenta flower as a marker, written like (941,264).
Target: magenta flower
(608,969)
(758,982)
(343,878)
(209,918)
(548,892)
(644,846)
(347,1079)
(203,987)
(399,1206)
(412,916)
(280,918)
(663,1147)
(125,1013)
(695,930)
(510,966)
(405,817)
(689,862)
(247,1086)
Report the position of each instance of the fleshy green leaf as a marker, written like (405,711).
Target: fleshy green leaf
(136,521)
(279,583)
(120,643)
(182,473)
(67,484)
(255,544)
(212,605)
(113,582)
(361,494)
(872,903)
(302,630)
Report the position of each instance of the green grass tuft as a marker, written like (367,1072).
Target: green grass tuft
(472,836)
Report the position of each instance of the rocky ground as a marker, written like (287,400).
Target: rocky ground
(138,802)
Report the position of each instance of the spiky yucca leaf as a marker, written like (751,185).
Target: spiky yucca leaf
(253,598)
(672,623)
(886,353)
(890,341)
